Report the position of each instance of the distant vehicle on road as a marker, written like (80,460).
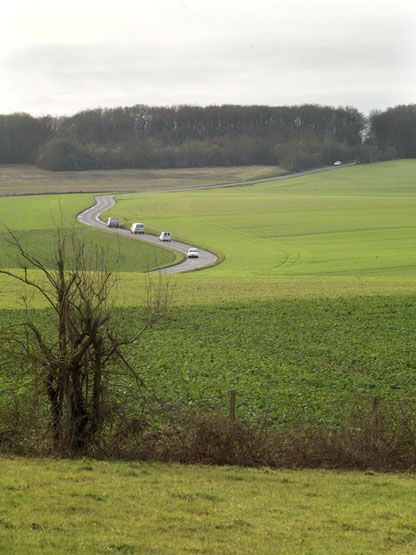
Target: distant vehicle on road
(193,253)
(137,228)
(113,222)
(165,236)
(338,163)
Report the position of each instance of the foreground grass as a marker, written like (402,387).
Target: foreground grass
(24,179)
(50,506)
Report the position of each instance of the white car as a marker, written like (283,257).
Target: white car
(338,163)
(137,228)
(165,236)
(193,253)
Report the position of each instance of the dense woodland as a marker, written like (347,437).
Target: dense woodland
(295,137)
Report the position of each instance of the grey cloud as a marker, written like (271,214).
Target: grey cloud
(235,70)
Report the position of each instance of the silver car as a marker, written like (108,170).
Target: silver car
(137,228)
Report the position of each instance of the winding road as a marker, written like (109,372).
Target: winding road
(91,217)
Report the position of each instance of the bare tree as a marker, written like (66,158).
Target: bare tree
(73,358)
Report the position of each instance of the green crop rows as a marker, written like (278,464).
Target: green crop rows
(312,358)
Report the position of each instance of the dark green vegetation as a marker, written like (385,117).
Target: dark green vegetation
(295,137)
(92,507)
(183,136)
(312,360)
(393,132)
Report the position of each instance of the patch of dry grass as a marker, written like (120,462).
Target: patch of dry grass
(24,179)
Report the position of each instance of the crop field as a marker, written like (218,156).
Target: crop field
(86,507)
(309,337)
(25,180)
(257,322)
(315,360)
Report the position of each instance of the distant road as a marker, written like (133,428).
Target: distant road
(91,217)
(250,182)
(268,179)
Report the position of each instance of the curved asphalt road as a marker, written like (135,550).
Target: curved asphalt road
(91,217)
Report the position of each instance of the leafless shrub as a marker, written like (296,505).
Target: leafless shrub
(71,361)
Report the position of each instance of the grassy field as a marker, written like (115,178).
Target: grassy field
(358,221)
(270,331)
(18,180)
(343,233)
(102,507)
(35,220)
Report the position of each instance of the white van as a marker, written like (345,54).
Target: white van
(137,228)
(165,236)
(113,222)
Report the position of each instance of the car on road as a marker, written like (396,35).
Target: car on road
(338,163)
(113,222)
(193,253)
(137,228)
(165,236)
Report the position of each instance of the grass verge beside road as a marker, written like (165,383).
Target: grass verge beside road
(36,220)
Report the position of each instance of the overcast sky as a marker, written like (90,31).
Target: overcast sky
(61,57)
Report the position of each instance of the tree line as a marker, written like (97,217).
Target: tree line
(295,137)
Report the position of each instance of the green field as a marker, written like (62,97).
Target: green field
(93,507)
(36,219)
(358,221)
(342,233)
(313,360)
(245,323)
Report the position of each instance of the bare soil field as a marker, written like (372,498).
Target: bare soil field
(29,180)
